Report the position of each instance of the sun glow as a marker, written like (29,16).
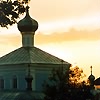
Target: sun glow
(79,47)
(80,53)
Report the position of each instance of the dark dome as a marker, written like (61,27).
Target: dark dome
(27,24)
(97,81)
(91,77)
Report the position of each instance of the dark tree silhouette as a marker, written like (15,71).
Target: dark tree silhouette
(66,85)
(10,10)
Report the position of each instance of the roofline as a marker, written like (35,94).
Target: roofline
(37,63)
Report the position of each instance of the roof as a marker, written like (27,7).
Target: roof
(29,55)
(21,95)
(97,81)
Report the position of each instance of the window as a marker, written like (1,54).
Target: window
(14,82)
(1,83)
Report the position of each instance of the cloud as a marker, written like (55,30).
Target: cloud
(40,38)
(72,35)
(11,39)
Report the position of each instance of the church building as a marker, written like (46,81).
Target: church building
(27,67)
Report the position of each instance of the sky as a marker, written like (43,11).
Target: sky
(68,29)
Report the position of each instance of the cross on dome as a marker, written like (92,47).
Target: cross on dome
(91,69)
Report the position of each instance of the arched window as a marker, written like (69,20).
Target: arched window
(1,83)
(14,82)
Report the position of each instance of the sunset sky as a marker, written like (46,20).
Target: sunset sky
(68,29)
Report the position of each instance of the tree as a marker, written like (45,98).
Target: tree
(10,10)
(66,85)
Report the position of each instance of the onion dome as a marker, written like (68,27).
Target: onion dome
(27,24)
(97,81)
(91,77)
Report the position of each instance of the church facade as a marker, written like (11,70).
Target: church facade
(28,61)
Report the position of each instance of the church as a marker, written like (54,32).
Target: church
(26,68)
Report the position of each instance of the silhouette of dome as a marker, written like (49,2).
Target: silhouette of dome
(27,24)
(97,81)
(91,77)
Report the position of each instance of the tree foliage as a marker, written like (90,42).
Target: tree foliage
(66,85)
(10,10)
(76,76)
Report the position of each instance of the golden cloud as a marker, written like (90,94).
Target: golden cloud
(40,38)
(72,35)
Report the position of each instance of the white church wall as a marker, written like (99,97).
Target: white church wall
(7,72)
(39,72)
(40,77)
